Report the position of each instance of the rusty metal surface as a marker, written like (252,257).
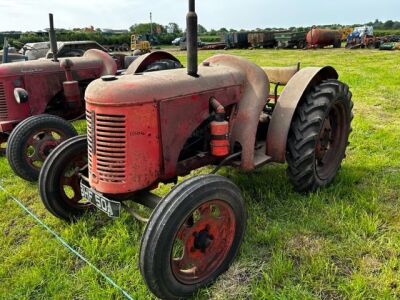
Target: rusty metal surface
(284,111)
(261,39)
(140,64)
(317,37)
(43,79)
(253,100)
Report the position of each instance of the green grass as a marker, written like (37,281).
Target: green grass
(342,242)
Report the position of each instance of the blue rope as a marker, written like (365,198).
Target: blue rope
(66,245)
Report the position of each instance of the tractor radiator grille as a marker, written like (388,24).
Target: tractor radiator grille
(107,143)
(3,103)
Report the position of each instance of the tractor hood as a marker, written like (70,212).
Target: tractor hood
(92,59)
(162,85)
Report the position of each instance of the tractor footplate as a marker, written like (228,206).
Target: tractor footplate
(110,207)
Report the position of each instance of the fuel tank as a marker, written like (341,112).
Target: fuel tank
(322,37)
(137,124)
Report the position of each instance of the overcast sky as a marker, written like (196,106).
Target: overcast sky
(238,14)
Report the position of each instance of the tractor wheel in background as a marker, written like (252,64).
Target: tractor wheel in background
(32,141)
(59,182)
(192,237)
(319,136)
(3,143)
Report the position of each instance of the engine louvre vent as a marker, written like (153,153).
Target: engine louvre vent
(3,103)
(107,143)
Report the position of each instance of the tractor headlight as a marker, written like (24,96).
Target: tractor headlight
(21,95)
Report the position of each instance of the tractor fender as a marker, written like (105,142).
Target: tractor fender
(140,64)
(254,98)
(109,65)
(282,116)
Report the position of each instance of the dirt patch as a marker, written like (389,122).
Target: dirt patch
(236,282)
(303,244)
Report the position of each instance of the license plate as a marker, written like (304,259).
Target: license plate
(110,207)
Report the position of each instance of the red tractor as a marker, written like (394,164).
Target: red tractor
(39,98)
(152,128)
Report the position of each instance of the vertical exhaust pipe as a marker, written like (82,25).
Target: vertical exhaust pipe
(52,38)
(191,40)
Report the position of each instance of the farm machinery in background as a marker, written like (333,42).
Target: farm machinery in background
(38,97)
(151,128)
(320,38)
(361,37)
(290,40)
(391,42)
(34,51)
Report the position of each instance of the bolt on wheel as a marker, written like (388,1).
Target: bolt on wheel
(32,141)
(59,181)
(192,237)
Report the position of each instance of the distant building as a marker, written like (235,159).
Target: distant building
(114,31)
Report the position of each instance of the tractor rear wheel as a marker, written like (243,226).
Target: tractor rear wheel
(319,136)
(192,237)
(59,182)
(32,141)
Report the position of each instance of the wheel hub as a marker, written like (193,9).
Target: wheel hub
(203,240)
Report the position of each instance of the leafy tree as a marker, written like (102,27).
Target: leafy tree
(143,28)
(201,29)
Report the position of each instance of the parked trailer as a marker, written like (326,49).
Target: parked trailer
(262,39)
(238,40)
(320,38)
(291,40)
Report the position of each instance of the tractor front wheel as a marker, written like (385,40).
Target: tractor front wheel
(319,136)
(32,141)
(192,237)
(59,181)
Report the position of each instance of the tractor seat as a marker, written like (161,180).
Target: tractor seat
(281,75)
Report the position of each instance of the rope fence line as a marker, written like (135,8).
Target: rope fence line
(65,244)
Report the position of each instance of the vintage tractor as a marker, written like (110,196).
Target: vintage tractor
(39,98)
(150,128)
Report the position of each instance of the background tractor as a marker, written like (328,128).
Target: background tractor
(39,98)
(151,128)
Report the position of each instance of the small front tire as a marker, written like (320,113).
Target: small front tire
(192,237)
(59,181)
(32,141)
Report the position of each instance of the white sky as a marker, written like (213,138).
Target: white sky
(238,14)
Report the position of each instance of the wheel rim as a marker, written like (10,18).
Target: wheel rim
(70,177)
(3,143)
(40,144)
(331,142)
(203,242)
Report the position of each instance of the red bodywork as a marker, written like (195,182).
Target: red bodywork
(43,80)
(139,124)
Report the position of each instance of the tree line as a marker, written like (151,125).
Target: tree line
(167,33)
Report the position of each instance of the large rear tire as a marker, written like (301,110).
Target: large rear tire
(32,141)
(59,181)
(192,237)
(319,136)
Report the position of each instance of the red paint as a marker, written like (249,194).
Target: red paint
(43,80)
(219,138)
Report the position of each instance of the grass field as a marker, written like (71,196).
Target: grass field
(339,243)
